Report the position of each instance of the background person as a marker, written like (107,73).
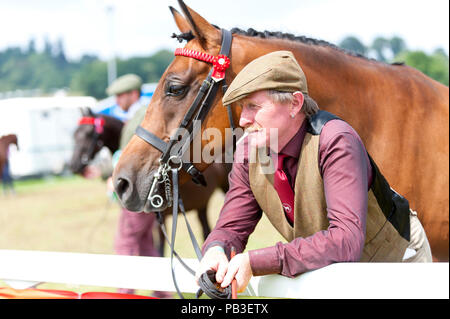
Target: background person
(7,179)
(127,92)
(134,236)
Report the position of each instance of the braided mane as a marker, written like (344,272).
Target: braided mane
(188,36)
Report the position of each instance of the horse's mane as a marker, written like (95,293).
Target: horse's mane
(289,36)
(281,35)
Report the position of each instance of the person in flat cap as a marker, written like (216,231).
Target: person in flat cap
(134,234)
(127,90)
(314,180)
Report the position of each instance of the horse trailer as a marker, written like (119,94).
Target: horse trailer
(44,127)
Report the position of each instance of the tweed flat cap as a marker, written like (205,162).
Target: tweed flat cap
(125,83)
(277,70)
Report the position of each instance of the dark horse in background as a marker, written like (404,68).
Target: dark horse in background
(5,142)
(401,114)
(91,136)
(89,139)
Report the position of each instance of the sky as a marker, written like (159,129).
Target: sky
(141,27)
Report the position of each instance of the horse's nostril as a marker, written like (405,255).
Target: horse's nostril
(122,186)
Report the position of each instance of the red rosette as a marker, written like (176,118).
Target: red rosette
(221,62)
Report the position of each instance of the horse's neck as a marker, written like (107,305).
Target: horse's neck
(327,69)
(334,78)
(111,137)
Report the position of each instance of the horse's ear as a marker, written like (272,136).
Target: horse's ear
(205,32)
(180,21)
(89,112)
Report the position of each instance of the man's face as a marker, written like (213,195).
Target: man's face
(260,115)
(125,100)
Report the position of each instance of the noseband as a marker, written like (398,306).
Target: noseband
(198,110)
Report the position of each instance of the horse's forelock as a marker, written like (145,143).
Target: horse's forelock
(187,36)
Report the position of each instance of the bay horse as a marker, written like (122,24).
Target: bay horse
(401,114)
(89,139)
(5,142)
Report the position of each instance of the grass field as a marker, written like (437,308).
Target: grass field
(73,214)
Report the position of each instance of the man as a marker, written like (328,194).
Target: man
(315,182)
(127,90)
(6,177)
(134,234)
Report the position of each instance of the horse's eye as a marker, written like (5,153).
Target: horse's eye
(175,89)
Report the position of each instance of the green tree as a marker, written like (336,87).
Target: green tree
(50,69)
(352,43)
(48,47)
(91,79)
(435,65)
(397,45)
(31,46)
(161,61)
(380,45)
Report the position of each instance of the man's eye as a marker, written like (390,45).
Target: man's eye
(252,107)
(176,90)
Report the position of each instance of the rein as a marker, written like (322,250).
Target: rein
(170,161)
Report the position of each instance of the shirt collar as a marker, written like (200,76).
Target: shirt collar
(293,147)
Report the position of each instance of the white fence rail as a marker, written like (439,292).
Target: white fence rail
(21,269)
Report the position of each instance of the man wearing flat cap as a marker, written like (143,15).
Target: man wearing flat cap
(134,235)
(127,90)
(316,184)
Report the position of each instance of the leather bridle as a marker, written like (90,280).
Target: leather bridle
(172,153)
(171,160)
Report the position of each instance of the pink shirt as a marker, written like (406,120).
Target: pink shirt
(347,176)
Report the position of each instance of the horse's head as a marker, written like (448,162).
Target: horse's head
(93,132)
(176,92)
(9,139)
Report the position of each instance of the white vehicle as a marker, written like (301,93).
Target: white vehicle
(44,127)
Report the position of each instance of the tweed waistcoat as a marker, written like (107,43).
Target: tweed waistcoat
(387,222)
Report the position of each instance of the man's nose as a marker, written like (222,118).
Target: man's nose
(246,118)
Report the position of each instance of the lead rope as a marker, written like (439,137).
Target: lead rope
(207,282)
(211,288)
(178,205)
(220,63)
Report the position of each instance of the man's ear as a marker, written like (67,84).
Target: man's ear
(297,103)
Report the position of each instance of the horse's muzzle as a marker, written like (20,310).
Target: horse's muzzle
(127,192)
(134,195)
(76,167)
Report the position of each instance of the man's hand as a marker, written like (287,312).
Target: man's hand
(239,268)
(214,259)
